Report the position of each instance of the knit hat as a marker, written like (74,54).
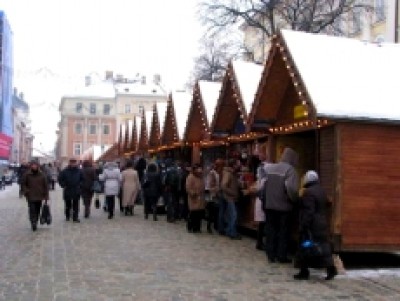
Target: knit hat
(310,176)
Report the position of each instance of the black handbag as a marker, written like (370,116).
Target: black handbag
(97,203)
(97,187)
(45,216)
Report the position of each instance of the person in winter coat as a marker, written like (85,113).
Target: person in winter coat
(213,188)
(195,188)
(130,188)
(89,176)
(21,172)
(281,192)
(152,188)
(35,188)
(71,180)
(172,190)
(112,181)
(230,189)
(314,227)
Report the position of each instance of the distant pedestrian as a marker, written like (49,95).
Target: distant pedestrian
(281,193)
(20,174)
(213,189)
(100,184)
(152,190)
(35,188)
(172,186)
(53,175)
(230,189)
(195,188)
(130,188)
(314,228)
(184,208)
(71,180)
(112,182)
(89,176)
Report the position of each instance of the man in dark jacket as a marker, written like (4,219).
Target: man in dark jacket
(35,188)
(21,172)
(281,191)
(71,180)
(172,190)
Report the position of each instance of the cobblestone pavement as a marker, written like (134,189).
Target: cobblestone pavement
(129,258)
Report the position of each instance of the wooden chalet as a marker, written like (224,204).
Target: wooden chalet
(134,141)
(229,124)
(178,106)
(197,132)
(157,124)
(143,143)
(111,154)
(334,101)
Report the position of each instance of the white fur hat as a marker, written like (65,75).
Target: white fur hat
(310,176)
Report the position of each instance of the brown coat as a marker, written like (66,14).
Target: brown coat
(34,186)
(230,185)
(195,188)
(130,187)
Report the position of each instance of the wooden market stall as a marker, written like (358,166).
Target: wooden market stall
(157,124)
(229,125)
(174,126)
(111,154)
(197,132)
(333,100)
(143,142)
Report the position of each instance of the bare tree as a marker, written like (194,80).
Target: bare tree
(215,54)
(270,15)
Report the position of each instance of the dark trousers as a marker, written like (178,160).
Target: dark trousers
(172,205)
(87,202)
(110,200)
(34,211)
(260,234)
(194,221)
(211,215)
(52,184)
(185,206)
(150,205)
(72,203)
(277,227)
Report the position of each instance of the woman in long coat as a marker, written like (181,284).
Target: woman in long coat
(195,188)
(130,188)
(314,227)
(152,188)
(89,176)
(112,180)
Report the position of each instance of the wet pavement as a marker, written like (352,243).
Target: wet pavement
(129,258)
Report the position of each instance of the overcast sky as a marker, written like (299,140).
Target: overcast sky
(67,39)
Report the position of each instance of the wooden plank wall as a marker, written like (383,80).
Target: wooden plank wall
(326,161)
(370,186)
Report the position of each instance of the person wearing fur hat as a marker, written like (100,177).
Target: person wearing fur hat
(314,228)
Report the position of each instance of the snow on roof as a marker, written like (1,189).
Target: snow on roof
(103,89)
(162,113)
(137,88)
(209,93)
(182,103)
(347,77)
(248,76)
(149,121)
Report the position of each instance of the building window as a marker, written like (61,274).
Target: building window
(127,108)
(106,109)
(78,128)
(77,149)
(380,10)
(92,129)
(92,109)
(106,129)
(141,110)
(78,107)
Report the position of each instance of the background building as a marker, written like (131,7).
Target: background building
(21,150)
(87,119)
(6,76)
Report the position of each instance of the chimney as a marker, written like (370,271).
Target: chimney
(15,91)
(157,79)
(21,96)
(88,80)
(109,75)
(143,80)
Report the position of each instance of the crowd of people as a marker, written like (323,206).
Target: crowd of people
(189,193)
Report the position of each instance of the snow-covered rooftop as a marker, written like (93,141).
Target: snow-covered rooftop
(347,77)
(162,112)
(248,76)
(138,88)
(103,89)
(209,93)
(182,102)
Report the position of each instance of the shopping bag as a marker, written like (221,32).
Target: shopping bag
(97,203)
(97,187)
(45,216)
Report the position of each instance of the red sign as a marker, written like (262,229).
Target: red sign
(5,146)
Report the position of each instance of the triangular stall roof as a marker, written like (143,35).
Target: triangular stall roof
(159,112)
(139,126)
(134,137)
(238,91)
(321,78)
(204,101)
(176,118)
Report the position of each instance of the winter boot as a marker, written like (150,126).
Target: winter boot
(304,274)
(331,272)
